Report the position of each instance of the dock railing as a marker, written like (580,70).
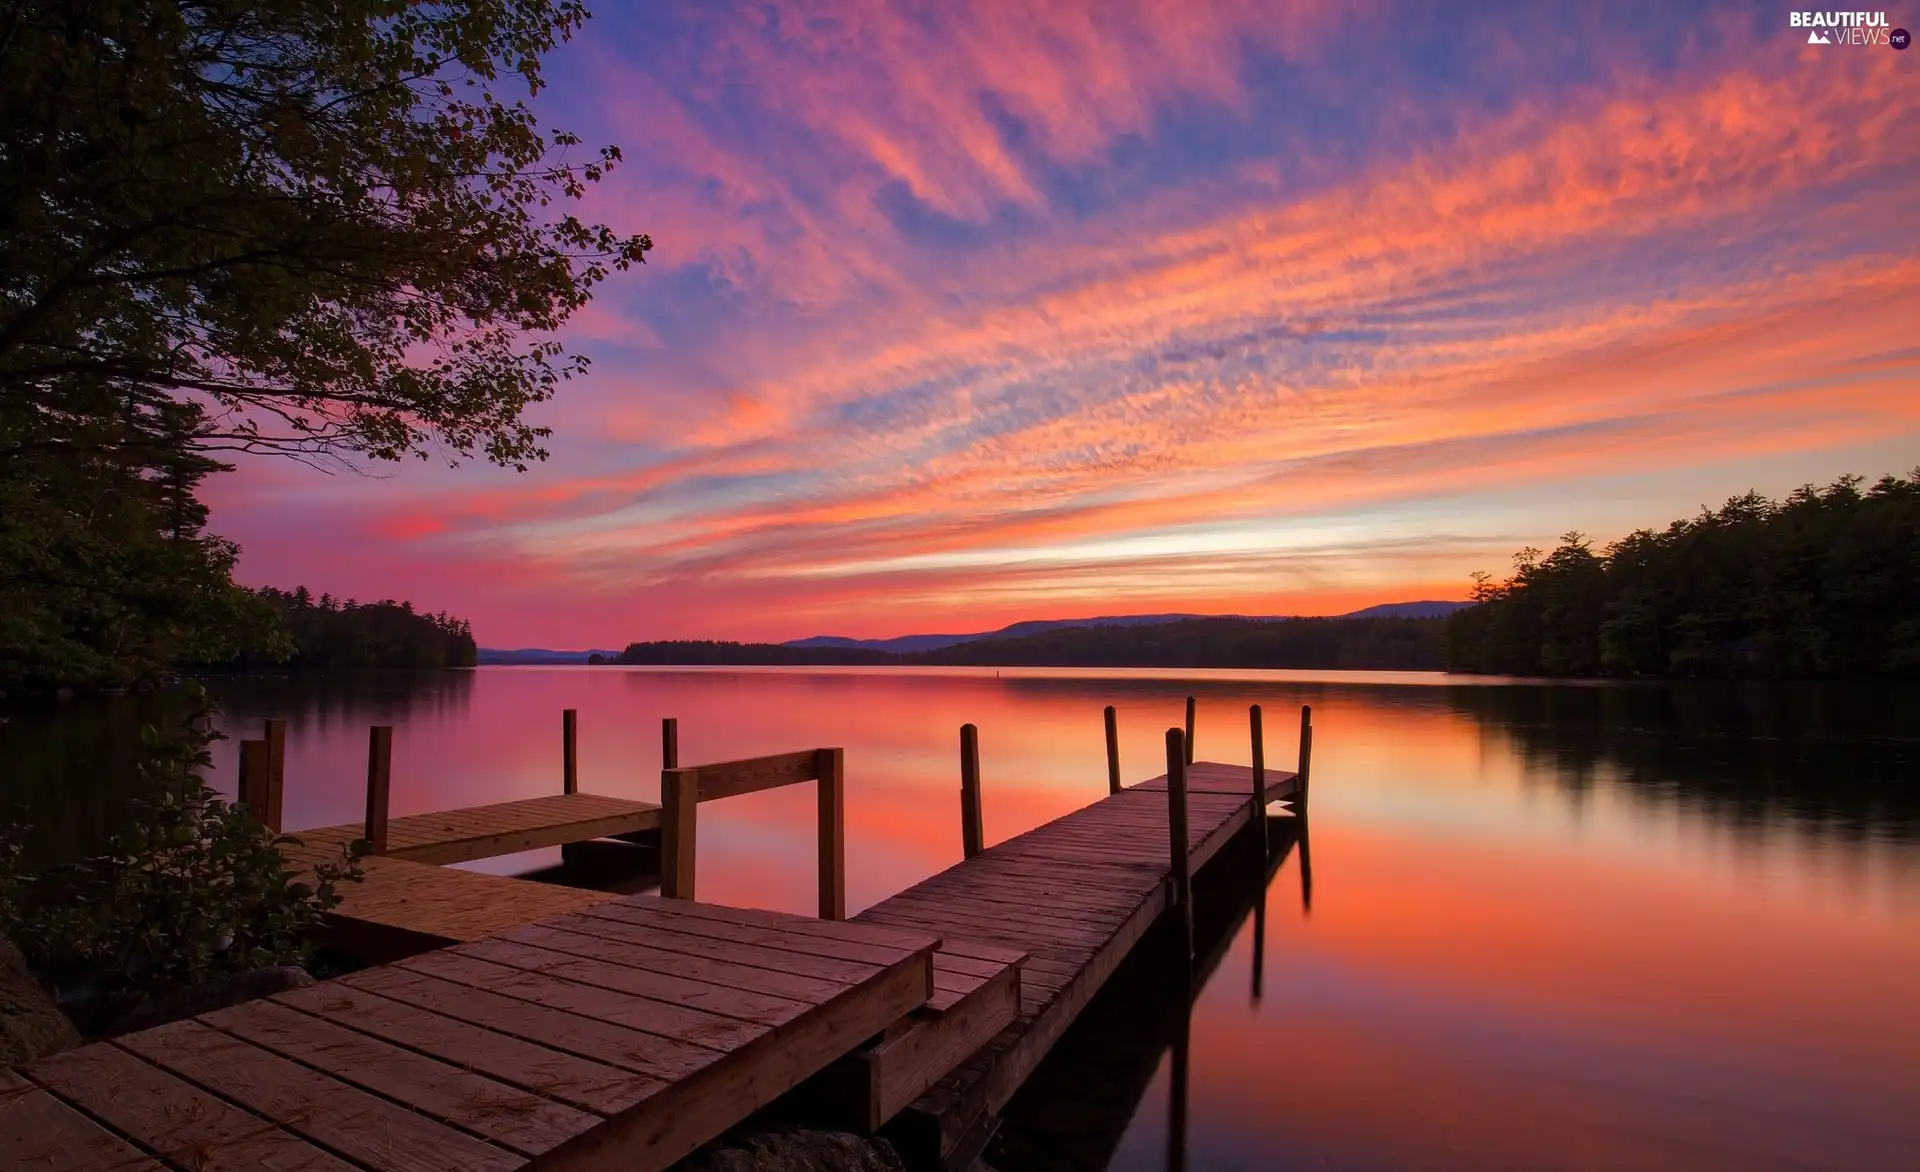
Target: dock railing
(683,789)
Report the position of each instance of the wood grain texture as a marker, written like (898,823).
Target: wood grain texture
(728,779)
(39,1133)
(380,1135)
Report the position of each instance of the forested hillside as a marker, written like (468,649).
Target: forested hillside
(1825,583)
(329,633)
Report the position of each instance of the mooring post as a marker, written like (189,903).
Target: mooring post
(830,773)
(1259,777)
(1306,757)
(251,787)
(1306,870)
(670,743)
(1189,730)
(972,837)
(569,751)
(1113,751)
(679,803)
(379,783)
(1177,833)
(271,801)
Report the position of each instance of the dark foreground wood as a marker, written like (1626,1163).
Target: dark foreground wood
(620,1037)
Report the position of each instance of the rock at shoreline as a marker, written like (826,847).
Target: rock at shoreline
(794,1150)
(209,996)
(31,1025)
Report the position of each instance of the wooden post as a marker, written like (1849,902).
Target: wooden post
(1259,776)
(1306,870)
(252,784)
(1113,752)
(1189,730)
(271,802)
(830,771)
(972,838)
(1177,833)
(379,781)
(679,803)
(1306,756)
(569,751)
(670,743)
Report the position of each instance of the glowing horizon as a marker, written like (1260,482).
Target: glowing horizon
(982,314)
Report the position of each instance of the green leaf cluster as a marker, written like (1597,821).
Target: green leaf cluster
(322,229)
(193,890)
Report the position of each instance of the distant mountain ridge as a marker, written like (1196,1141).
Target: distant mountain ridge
(912,644)
(909,644)
(537,655)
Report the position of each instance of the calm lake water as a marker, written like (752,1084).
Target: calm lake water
(1551,926)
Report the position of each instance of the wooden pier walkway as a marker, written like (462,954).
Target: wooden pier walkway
(526,1025)
(620,1039)
(1074,895)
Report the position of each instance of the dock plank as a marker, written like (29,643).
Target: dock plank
(39,1133)
(750,1005)
(603,939)
(656,1057)
(513,1118)
(504,828)
(174,1119)
(494,1056)
(369,1130)
(563,1077)
(661,1018)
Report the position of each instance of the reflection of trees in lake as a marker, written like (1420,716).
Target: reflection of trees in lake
(1827,757)
(331,699)
(70,769)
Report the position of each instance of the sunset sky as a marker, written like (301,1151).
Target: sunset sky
(967,313)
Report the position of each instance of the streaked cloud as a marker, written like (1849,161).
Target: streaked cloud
(994,311)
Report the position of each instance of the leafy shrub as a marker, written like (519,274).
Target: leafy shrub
(194,890)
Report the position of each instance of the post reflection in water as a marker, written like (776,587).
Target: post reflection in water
(1560,926)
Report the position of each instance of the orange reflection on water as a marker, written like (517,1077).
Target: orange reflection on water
(1536,942)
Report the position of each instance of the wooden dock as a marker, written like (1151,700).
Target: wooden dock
(525,1025)
(1075,895)
(618,1039)
(506,828)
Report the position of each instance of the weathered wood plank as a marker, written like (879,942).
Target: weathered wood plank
(39,1133)
(678,1022)
(826,967)
(560,936)
(526,1123)
(175,1119)
(649,1054)
(749,1005)
(752,1076)
(728,779)
(906,942)
(568,1078)
(780,939)
(364,1128)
